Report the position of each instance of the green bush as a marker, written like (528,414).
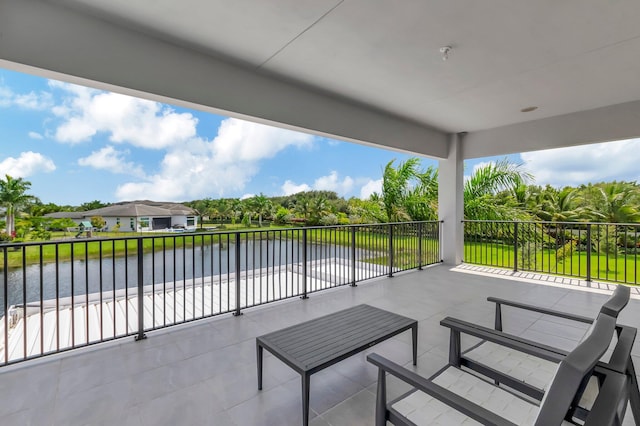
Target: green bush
(282,216)
(329,220)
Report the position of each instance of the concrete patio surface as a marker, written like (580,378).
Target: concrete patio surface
(204,373)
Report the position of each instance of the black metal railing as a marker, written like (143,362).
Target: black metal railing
(60,295)
(588,251)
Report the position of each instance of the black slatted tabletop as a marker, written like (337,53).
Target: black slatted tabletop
(317,343)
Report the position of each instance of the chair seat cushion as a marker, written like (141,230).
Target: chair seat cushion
(529,369)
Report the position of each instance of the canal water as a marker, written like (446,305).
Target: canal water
(95,275)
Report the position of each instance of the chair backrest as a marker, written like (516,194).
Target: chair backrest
(574,372)
(613,306)
(617,301)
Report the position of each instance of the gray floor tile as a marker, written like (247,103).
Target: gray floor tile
(194,405)
(359,410)
(553,328)
(280,406)
(106,404)
(548,339)
(329,388)
(205,372)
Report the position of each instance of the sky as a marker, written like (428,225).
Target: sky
(77,144)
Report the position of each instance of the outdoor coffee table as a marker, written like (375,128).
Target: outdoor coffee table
(317,344)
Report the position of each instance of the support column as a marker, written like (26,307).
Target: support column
(451,202)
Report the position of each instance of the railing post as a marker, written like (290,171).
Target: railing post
(304,264)
(441,239)
(420,246)
(515,246)
(390,250)
(588,252)
(140,335)
(237,252)
(353,256)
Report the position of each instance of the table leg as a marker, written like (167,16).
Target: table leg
(414,335)
(305,398)
(259,350)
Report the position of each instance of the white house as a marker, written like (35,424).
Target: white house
(139,216)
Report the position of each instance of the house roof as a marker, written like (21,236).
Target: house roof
(62,215)
(131,209)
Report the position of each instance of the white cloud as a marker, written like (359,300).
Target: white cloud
(199,168)
(27,164)
(35,101)
(332,182)
(370,187)
(188,174)
(108,158)
(31,101)
(5,96)
(35,135)
(587,163)
(192,167)
(290,187)
(240,141)
(247,196)
(125,119)
(480,166)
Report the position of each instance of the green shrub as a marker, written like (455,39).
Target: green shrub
(566,250)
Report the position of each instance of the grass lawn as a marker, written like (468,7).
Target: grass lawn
(108,244)
(603,268)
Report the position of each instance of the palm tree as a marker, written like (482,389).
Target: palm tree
(13,197)
(395,187)
(318,208)
(481,190)
(261,206)
(549,204)
(303,207)
(236,210)
(613,202)
(421,201)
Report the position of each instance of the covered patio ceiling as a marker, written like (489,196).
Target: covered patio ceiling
(360,70)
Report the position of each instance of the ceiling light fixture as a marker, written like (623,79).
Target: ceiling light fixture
(529,109)
(446,51)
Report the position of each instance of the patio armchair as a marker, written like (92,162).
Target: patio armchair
(528,366)
(458,396)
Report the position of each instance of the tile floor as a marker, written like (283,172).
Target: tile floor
(204,373)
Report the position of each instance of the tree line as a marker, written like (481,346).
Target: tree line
(497,191)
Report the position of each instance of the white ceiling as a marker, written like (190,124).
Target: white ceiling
(562,56)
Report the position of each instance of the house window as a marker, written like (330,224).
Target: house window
(144,222)
(132,223)
(191,220)
(117,221)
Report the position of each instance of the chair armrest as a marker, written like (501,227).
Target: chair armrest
(530,347)
(445,396)
(539,309)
